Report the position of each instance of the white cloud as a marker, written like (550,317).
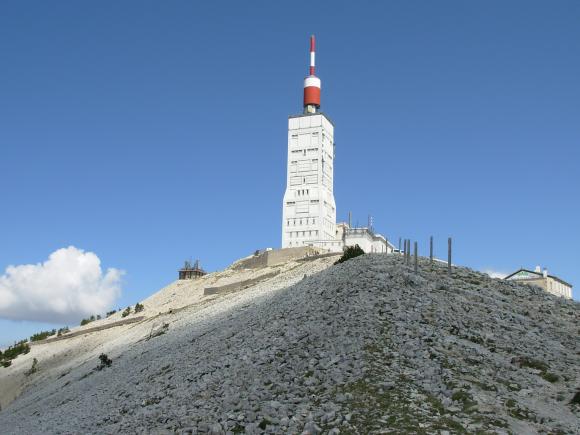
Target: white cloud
(495,273)
(67,286)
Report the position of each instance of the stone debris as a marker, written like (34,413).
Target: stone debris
(366,346)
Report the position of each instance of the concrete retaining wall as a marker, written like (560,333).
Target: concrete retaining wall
(315,257)
(278,256)
(227,288)
(89,330)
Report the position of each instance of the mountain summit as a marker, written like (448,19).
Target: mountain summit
(365,346)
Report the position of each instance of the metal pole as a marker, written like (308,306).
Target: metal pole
(431,249)
(416,254)
(399,245)
(449,255)
(387,245)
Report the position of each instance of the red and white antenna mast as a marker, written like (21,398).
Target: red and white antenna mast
(312,84)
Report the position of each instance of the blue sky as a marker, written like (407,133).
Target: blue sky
(152,132)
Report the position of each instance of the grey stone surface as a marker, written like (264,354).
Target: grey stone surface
(366,346)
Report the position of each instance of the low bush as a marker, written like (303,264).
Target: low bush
(62,331)
(535,364)
(20,348)
(550,377)
(350,252)
(532,363)
(105,361)
(33,369)
(110,313)
(126,312)
(139,307)
(87,321)
(42,335)
(159,331)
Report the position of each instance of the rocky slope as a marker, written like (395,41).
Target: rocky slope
(367,346)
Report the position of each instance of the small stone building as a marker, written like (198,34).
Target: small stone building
(191,272)
(550,283)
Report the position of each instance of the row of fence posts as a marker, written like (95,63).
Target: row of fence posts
(406,252)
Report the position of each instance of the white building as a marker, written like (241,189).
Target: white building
(309,208)
(365,237)
(550,283)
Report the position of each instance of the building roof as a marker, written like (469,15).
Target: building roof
(539,275)
(365,230)
(302,115)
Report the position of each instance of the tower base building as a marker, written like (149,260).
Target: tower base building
(309,209)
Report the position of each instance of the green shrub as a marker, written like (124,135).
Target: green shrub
(535,364)
(126,312)
(139,307)
(105,361)
(550,377)
(62,331)
(87,321)
(158,332)
(110,313)
(264,423)
(576,399)
(42,335)
(33,369)
(350,252)
(13,351)
(526,361)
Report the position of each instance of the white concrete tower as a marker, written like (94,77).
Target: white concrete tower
(309,209)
